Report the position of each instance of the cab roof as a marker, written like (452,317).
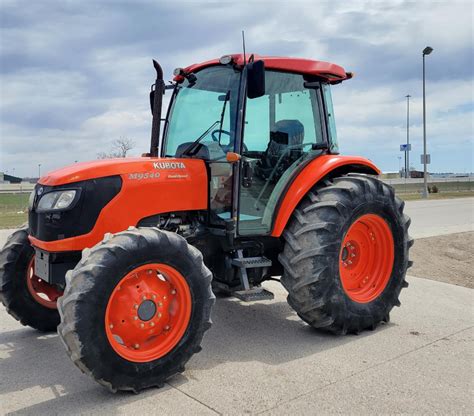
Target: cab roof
(332,73)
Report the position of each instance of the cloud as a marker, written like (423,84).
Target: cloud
(76,75)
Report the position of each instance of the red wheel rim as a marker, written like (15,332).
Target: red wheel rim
(42,292)
(148,312)
(366,258)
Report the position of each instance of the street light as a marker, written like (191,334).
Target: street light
(407,153)
(426,51)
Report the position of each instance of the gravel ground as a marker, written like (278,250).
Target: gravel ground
(446,258)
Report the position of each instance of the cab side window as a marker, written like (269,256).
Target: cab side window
(280,129)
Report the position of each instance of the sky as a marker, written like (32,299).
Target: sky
(75,75)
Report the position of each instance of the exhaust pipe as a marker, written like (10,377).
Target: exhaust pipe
(156,96)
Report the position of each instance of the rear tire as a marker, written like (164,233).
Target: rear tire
(315,260)
(120,332)
(15,263)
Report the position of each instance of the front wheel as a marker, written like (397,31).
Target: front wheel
(27,298)
(346,254)
(136,308)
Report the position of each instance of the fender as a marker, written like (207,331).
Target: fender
(315,171)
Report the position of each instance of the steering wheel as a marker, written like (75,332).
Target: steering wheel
(225,147)
(219,131)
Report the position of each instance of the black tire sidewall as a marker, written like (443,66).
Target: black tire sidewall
(390,293)
(98,354)
(313,243)
(18,299)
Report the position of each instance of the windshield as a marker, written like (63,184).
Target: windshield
(204,112)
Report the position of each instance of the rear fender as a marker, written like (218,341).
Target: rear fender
(317,170)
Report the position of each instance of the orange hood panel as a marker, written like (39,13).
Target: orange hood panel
(120,166)
(150,186)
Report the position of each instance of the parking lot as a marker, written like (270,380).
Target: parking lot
(260,358)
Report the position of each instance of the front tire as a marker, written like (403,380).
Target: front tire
(136,308)
(346,254)
(30,300)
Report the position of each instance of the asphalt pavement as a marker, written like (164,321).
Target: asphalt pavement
(440,216)
(260,358)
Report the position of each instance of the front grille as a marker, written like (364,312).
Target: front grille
(81,218)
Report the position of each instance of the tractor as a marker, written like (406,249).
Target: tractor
(243,183)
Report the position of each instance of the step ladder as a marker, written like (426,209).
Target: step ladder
(250,294)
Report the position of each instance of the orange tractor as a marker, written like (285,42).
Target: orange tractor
(123,256)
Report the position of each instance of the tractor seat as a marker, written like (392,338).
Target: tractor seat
(286,137)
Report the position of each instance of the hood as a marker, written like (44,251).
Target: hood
(108,167)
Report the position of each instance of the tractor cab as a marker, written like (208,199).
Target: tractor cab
(255,125)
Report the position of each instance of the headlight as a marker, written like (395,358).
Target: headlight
(56,200)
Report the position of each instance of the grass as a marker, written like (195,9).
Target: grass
(439,195)
(14,206)
(13,209)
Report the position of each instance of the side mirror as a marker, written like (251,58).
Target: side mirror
(152,95)
(255,79)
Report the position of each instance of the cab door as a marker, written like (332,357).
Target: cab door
(280,131)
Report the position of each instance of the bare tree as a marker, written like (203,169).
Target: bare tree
(120,148)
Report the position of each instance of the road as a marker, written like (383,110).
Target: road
(440,217)
(260,358)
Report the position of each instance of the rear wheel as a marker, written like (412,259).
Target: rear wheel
(136,308)
(346,254)
(29,299)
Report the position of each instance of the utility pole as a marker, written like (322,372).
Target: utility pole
(426,51)
(407,160)
(39,170)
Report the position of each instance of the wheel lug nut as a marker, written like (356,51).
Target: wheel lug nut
(135,306)
(173,292)
(143,297)
(153,296)
(142,325)
(135,318)
(152,324)
(353,255)
(149,271)
(160,304)
(349,262)
(167,328)
(164,298)
(136,346)
(159,314)
(111,326)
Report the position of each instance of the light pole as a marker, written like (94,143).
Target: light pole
(407,167)
(400,165)
(39,170)
(426,51)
